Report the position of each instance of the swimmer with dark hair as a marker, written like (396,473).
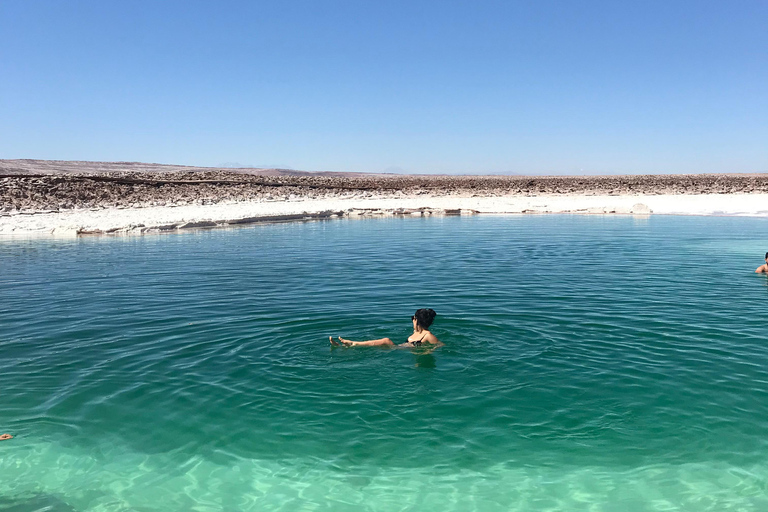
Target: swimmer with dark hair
(763,269)
(422,319)
(3,437)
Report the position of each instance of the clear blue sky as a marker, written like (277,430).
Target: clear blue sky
(524,87)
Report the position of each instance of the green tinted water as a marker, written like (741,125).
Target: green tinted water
(590,363)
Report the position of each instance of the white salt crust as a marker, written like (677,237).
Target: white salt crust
(170,218)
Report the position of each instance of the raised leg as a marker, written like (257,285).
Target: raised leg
(382,342)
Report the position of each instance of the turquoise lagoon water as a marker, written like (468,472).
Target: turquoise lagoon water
(590,363)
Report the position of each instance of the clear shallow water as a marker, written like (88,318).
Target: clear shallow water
(591,363)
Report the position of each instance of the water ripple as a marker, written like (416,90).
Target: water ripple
(582,355)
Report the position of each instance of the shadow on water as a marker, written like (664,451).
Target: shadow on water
(42,502)
(35,503)
(765,280)
(426,361)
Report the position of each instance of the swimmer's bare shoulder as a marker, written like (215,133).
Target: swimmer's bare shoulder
(432,339)
(762,269)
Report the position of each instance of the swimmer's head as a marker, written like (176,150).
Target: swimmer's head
(766,256)
(425,317)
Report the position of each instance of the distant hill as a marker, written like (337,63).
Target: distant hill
(74,167)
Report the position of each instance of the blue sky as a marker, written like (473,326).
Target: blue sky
(498,87)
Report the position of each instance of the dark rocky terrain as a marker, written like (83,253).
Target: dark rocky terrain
(35,185)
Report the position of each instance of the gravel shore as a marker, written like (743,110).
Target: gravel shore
(33,185)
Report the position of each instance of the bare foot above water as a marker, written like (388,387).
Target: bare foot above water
(341,343)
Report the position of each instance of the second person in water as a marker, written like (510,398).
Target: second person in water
(763,269)
(422,319)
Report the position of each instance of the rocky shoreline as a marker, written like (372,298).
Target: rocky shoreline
(35,187)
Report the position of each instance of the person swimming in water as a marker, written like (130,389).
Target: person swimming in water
(422,319)
(763,269)
(3,437)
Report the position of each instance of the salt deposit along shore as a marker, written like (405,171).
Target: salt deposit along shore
(59,198)
(167,218)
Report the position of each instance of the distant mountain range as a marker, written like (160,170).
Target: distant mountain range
(65,167)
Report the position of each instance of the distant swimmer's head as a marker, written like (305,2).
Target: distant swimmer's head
(424,317)
(766,256)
